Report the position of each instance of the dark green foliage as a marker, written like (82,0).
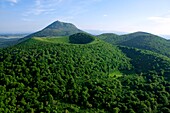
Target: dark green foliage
(38,76)
(81,38)
(148,42)
(146,61)
(140,40)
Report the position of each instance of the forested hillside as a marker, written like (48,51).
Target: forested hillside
(145,61)
(71,71)
(41,76)
(140,40)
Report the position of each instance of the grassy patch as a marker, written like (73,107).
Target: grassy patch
(59,39)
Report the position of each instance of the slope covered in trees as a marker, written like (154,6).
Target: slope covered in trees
(140,40)
(80,73)
(40,76)
(146,61)
(45,70)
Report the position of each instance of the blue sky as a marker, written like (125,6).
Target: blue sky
(109,15)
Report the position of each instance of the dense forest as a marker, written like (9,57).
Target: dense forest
(77,72)
(38,76)
(145,61)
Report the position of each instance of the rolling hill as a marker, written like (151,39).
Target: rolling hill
(140,40)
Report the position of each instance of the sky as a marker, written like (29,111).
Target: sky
(22,16)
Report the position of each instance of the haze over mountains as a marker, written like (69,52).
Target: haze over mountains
(58,28)
(64,69)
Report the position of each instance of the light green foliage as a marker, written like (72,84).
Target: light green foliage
(58,39)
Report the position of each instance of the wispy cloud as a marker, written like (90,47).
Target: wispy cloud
(12,1)
(162,19)
(42,7)
(157,19)
(81,6)
(52,6)
(160,24)
(65,10)
(105,15)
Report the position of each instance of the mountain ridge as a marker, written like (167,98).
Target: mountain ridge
(141,40)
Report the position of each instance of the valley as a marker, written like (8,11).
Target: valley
(7,40)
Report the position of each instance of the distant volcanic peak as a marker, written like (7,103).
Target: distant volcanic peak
(60,25)
(57,28)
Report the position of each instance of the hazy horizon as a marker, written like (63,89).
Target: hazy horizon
(129,16)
